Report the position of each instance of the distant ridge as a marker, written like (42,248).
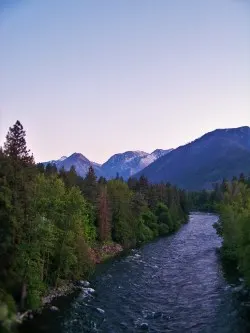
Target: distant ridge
(222,153)
(79,161)
(125,164)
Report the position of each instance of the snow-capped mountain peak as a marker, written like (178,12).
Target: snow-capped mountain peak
(160,152)
(130,162)
(79,161)
(125,164)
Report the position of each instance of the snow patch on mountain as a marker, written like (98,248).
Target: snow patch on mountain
(130,162)
(125,164)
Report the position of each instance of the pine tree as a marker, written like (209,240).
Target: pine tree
(90,186)
(152,197)
(51,169)
(19,183)
(6,219)
(15,146)
(104,215)
(71,177)
(132,183)
(102,181)
(40,167)
(142,186)
(242,178)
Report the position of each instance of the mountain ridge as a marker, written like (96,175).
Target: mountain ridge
(208,159)
(125,164)
(218,154)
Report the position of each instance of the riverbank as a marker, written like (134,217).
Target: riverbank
(98,254)
(173,283)
(102,252)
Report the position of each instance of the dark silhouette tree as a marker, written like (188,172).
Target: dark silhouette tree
(90,186)
(15,146)
(51,169)
(102,180)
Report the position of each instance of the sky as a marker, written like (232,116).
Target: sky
(101,77)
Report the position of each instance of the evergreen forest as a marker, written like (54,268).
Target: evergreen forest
(52,220)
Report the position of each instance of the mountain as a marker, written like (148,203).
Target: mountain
(79,161)
(150,158)
(125,164)
(55,161)
(130,162)
(219,154)
(62,158)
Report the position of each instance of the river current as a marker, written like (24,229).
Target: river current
(175,284)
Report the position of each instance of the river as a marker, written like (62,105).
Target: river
(175,284)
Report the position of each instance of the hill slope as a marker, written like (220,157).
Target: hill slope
(196,165)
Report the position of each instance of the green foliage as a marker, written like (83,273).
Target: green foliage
(231,200)
(234,224)
(7,312)
(103,214)
(168,217)
(50,219)
(122,226)
(204,201)
(90,189)
(150,221)
(163,229)
(144,233)
(15,145)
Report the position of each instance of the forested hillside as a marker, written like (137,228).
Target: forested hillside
(198,165)
(51,222)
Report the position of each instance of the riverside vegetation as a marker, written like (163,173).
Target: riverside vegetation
(54,224)
(231,200)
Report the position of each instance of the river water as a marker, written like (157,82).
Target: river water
(175,284)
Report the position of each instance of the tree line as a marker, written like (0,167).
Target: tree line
(210,200)
(231,200)
(234,225)
(51,219)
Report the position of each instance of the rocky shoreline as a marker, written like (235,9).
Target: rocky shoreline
(47,300)
(98,255)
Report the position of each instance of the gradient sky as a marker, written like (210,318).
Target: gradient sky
(106,76)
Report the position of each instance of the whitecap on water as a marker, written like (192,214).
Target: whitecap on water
(100,310)
(140,323)
(84,283)
(89,290)
(148,314)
